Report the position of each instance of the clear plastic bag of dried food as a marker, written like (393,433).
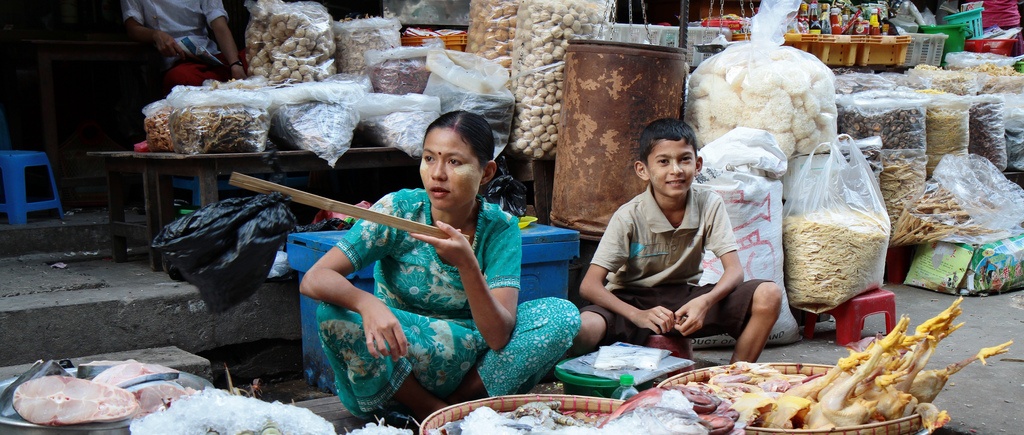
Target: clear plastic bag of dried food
(341,92)
(902,179)
(157,124)
(219,121)
(492,29)
(762,84)
(967,200)
(289,41)
(1013,119)
(355,37)
(969,59)
(987,134)
(953,82)
(398,121)
(361,80)
(323,128)
(835,232)
(870,148)
(948,124)
(1003,85)
(464,81)
(898,118)
(852,83)
(538,69)
(227,248)
(400,70)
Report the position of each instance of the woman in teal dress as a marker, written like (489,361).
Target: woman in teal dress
(444,324)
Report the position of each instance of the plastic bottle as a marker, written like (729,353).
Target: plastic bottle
(836,22)
(625,389)
(814,27)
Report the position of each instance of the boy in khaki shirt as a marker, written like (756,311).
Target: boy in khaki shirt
(643,277)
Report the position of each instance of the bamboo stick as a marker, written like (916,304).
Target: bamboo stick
(263,186)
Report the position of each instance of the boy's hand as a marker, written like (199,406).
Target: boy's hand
(657,319)
(690,317)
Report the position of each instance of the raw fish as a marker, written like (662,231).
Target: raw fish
(64,400)
(133,373)
(38,370)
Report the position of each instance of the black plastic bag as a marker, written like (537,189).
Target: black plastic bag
(506,191)
(226,248)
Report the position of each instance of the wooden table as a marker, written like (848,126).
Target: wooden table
(158,168)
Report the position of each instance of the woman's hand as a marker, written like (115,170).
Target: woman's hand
(455,250)
(166,44)
(690,317)
(657,319)
(237,72)
(384,335)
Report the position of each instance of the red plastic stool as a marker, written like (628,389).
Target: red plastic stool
(677,344)
(850,315)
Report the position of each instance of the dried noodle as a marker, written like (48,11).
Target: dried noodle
(829,260)
(219,129)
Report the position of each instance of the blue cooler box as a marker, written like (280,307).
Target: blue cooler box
(545,273)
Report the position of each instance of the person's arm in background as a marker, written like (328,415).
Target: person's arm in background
(226,43)
(164,43)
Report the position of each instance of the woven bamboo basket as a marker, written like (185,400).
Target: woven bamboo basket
(595,405)
(903,426)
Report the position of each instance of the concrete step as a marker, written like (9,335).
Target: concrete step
(56,306)
(168,356)
(81,230)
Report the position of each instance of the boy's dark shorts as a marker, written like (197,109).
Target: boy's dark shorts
(729,316)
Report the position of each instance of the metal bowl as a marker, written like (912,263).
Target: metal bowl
(17,426)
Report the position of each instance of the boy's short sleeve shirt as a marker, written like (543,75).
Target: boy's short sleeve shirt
(642,249)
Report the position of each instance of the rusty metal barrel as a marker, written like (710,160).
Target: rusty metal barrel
(612,91)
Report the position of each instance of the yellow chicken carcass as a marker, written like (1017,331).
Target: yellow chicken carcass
(931,417)
(790,412)
(753,405)
(839,406)
(927,384)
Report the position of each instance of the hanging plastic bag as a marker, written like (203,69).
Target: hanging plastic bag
(967,200)
(469,82)
(227,248)
(870,148)
(219,121)
(538,67)
(987,136)
(492,29)
(745,167)
(835,232)
(762,84)
(506,191)
(398,121)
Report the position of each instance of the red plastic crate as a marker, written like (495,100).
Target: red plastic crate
(994,46)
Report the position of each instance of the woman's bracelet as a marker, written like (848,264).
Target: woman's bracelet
(237,62)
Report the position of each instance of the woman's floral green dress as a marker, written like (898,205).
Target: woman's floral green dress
(427,297)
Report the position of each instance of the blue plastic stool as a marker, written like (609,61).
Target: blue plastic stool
(16,203)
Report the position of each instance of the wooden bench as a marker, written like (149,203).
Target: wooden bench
(157,170)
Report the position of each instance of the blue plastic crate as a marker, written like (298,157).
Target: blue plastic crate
(547,252)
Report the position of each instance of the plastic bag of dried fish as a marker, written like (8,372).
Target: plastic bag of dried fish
(157,124)
(400,70)
(219,121)
(987,135)
(319,117)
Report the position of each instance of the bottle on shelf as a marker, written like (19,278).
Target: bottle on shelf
(625,389)
(835,22)
(802,20)
(875,28)
(814,27)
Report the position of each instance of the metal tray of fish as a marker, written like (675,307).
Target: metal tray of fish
(17,426)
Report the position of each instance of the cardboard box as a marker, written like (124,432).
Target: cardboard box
(545,272)
(958,268)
